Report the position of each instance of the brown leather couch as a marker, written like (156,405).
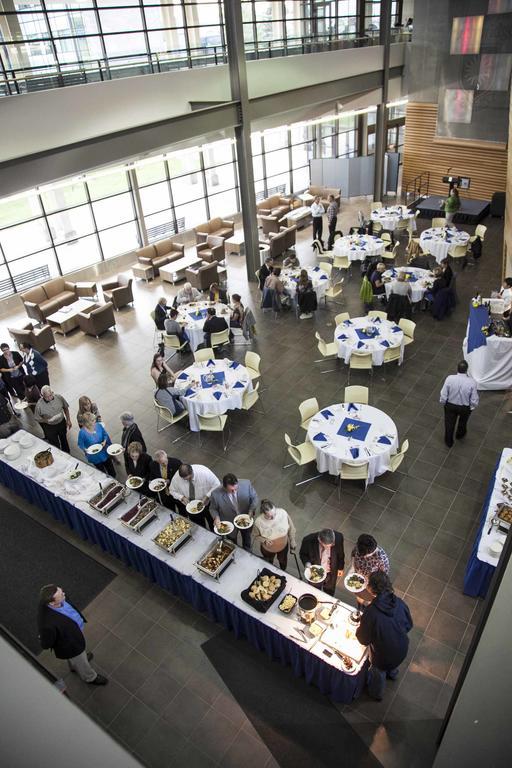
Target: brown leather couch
(324,193)
(118,291)
(274,206)
(217,227)
(202,277)
(161,253)
(48,297)
(95,320)
(282,241)
(269,224)
(40,339)
(212,249)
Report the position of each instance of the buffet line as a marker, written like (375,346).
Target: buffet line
(225,578)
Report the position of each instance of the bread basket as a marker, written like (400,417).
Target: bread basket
(43,458)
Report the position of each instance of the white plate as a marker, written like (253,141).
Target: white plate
(495,548)
(243,527)
(21,405)
(3,443)
(95,448)
(155,485)
(352,589)
(192,507)
(116,449)
(71,472)
(229,530)
(26,441)
(134,483)
(16,437)
(12,451)
(307,574)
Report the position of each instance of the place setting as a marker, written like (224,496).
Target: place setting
(367,334)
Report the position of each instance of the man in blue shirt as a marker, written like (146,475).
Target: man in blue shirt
(459,396)
(60,628)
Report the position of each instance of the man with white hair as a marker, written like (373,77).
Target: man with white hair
(164,467)
(187,294)
(52,412)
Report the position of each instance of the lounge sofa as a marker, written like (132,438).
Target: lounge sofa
(45,299)
(159,254)
(202,277)
(282,241)
(97,319)
(274,206)
(40,339)
(324,193)
(217,227)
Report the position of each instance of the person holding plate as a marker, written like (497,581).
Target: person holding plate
(234,497)
(191,482)
(52,413)
(324,548)
(138,463)
(164,467)
(274,531)
(368,557)
(94,433)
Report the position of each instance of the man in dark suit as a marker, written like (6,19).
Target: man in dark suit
(234,497)
(60,627)
(213,324)
(165,467)
(265,271)
(325,548)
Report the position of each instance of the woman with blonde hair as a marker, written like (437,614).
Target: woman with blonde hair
(86,405)
(94,433)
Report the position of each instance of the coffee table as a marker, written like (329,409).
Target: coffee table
(86,290)
(176,269)
(235,244)
(66,319)
(299,216)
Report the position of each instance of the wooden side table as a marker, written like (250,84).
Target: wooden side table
(86,291)
(144,271)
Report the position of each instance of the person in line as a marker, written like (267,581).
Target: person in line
(368,557)
(447,272)
(11,368)
(161,311)
(459,396)
(32,392)
(35,364)
(92,432)
(138,463)
(265,271)
(131,433)
(317,212)
(451,205)
(86,406)
(213,324)
(187,294)
(274,532)
(325,548)
(174,328)
(218,294)
(384,626)
(237,311)
(169,396)
(332,220)
(305,296)
(291,261)
(9,423)
(52,413)
(164,467)
(159,366)
(234,497)
(377,281)
(191,482)
(60,627)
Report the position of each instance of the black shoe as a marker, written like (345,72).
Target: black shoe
(99,680)
(90,655)
(448,445)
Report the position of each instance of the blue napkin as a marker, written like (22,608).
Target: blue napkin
(385,343)
(190,392)
(316,269)
(234,364)
(321,437)
(352,407)
(396,329)
(363,247)
(323,277)
(238,385)
(393,273)
(183,376)
(347,322)
(428,237)
(384,439)
(376,320)
(342,337)
(354,452)
(353,248)
(210,362)
(217,395)
(326,413)
(360,344)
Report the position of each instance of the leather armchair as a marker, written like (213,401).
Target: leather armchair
(274,206)
(269,224)
(118,291)
(40,339)
(211,250)
(202,277)
(96,320)
(282,242)
(217,227)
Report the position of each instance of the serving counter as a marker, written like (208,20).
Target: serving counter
(273,632)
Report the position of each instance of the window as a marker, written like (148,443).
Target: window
(186,188)
(155,198)
(118,240)
(24,239)
(78,254)
(113,210)
(107,184)
(71,224)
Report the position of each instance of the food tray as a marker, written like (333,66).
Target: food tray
(224,551)
(174,534)
(107,499)
(140,515)
(290,609)
(505,513)
(262,606)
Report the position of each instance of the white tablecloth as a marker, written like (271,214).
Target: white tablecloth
(194,325)
(336,449)
(204,400)
(424,279)
(354,342)
(486,539)
(491,365)
(434,241)
(358,247)
(391,215)
(318,277)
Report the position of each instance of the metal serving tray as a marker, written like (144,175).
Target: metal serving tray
(171,527)
(109,498)
(224,546)
(140,515)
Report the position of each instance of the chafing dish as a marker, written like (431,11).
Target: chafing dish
(108,498)
(140,515)
(174,534)
(217,558)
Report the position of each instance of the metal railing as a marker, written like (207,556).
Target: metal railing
(24,280)
(416,188)
(165,230)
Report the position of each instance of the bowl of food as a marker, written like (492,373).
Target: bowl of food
(223,528)
(243,521)
(94,448)
(287,604)
(315,574)
(354,582)
(75,474)
(116,449)
(134,482)
(157,485)
(194,507)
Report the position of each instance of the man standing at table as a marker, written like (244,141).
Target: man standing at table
(459,396)
(164,467)
(52,412)
(234,497)
(324,548)
(194,481)
(317,212)
(332,219)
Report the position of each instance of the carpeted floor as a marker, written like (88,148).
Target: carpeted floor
(31,556)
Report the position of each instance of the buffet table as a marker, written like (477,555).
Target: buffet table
(489,357)
(67,501)
(193,316)
(354,336)
(483,559)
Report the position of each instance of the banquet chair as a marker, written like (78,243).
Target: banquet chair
(377,227)
(357,471)
(301,453)
(479,233)
(342,262)
(356,394)
(327,268)
(360,361)
(320,250)
(203,355)
(213,422)
(157,333)
(164,415)
(460,252)
(252,363)
(375,206)
(390,255)
(333,291)
(397,458)
(308,409)
(328,349)
(251,398)
(439,222)
(377,313)
(413,221)
(392,355)
(341,317)
(402,225)
(219,339)
(408,327)
(172,342)
(386,238)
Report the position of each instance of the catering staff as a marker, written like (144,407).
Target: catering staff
(384,626)
(194,481)
(325,548)
(234,497)
(317,212)
(35,364)
(11,368)
(274,532)
(459,396)
(164,467)
(52,412)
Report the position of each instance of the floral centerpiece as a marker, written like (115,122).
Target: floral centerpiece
(352,427)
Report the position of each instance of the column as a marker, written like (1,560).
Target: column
(381,121)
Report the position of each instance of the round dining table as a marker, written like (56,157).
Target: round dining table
(355,434)
(192,317)
(419,280)
(358,247)
(440,241)
(391,215)
(319,278)
(368,334)
(215,386)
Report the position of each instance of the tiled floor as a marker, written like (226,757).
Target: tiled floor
(165,701)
